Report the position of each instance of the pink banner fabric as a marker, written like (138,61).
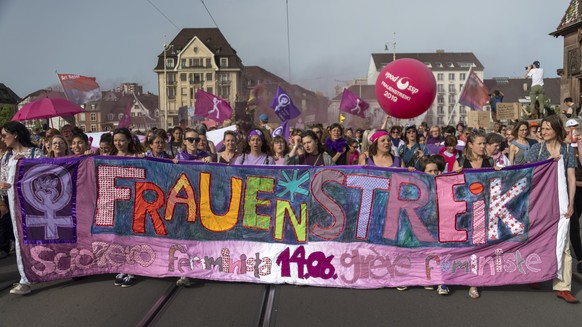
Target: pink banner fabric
(330,226)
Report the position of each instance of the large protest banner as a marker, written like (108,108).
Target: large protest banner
(327,226)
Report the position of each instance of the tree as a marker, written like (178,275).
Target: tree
(6,113)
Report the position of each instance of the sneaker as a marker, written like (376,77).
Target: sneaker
(402,288)
(119,279)
(429,288)
(128,281)
(443,290)
(20,289)
(183,282)
(3,254)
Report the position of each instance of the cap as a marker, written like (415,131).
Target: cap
(534,124)
(536,63)
(263,118)
(571,123)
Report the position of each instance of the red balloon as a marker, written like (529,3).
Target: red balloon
(405,88)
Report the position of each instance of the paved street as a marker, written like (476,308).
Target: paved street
(95,301)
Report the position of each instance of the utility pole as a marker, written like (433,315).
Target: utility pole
(166,48)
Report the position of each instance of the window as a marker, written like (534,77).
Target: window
(441,88)
(451,98)
(157,113)
(209,90)
(440,76)
(120,116)
(184,91)
(451,88)
(169,62)
(209,76)
(183,77)
(451,108)
(109,116)
(462,76)
(451,76)
(82,127)
(440,98)
(93,106)
(462,109)
(171,79)
(439,64)
(82,117)
(208,63)
(224,92)
(450,65)
(184,63)
(171,92)
(195,78)
(224,62)
(440,110)
(196,62)
(440,121)
(93,117)
(93,128)
(133,114)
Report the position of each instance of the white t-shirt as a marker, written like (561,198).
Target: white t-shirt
(537,76)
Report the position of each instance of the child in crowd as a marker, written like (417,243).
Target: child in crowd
(449,153)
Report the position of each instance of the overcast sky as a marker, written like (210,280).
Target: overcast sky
(331,40)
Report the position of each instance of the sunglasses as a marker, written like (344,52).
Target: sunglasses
(193,139)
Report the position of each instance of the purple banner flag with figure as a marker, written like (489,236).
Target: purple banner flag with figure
(353,104)
(475,93)
(283,105)
(283,130)
(212,107)
(341,226)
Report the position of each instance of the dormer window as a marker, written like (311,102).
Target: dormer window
(224,62)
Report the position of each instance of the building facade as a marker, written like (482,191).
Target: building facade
(570,28)
(197,58)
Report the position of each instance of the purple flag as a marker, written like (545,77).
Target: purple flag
(284,107)
(212,107)
(475,93)
(353,104)
(126,120)
(283,130)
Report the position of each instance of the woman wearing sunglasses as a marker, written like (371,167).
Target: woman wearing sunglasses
(190,150)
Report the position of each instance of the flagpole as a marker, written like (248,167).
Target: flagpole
(64,92)
(460,92)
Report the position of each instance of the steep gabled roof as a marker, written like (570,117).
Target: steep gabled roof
(572,19)
(436,61)
(212,39)
(7,96)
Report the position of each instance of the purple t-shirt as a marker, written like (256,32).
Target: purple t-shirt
(248,159)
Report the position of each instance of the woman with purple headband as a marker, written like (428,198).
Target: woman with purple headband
(379,152)
(256,151)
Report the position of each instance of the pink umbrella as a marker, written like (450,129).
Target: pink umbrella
(47,108)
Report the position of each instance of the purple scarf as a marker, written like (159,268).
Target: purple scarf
(338,145)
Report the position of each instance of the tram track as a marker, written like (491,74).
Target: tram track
(165,299)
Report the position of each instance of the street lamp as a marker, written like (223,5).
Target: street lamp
(166,48)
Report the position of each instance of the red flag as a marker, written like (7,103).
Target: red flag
(80,89)
(353,104)
(212,107)
(126,120)
(474,94)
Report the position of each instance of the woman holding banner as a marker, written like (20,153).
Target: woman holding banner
(157,145)
(256,152)
(230,148)
(58,147)
(17,139)
(379,154)
(553,146)
(313,152)
(124,146)
(474,157)
(190,150)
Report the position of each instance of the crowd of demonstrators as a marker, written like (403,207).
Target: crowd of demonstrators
(433,150)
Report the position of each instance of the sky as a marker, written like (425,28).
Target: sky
(330,41)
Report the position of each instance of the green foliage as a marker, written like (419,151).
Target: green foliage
(6,113)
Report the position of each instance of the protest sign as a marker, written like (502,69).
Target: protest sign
(507,111)
(326,226)
(481,119)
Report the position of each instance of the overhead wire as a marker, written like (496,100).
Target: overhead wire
(209,14)
(167,18)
